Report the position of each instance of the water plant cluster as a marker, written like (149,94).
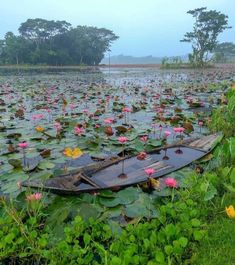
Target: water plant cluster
(52,124)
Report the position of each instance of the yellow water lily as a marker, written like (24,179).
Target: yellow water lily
(73,153)
(39,129)
(230,211)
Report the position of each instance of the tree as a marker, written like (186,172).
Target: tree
(39,30)
(55,43)
(224,52)
(207,27)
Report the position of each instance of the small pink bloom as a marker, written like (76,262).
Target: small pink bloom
(171,182)
(122,139)
(72,106)
(144,138)
(149,171)
(167,133)
(34,197)
(23,145)
(108,120)
(178,129)
(200,123)
(57,126)
(97,126)
(78,130)
(37,117)
(126,109)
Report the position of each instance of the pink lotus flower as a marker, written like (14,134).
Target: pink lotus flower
(126,109)
(108,120)
(200,123)
(57,126)
(72,106)
(34,197)
(23,145)
(37,117)
(171,182)
(78,130)
(179,130)
(149,171)
(144,138)
(167,133)
(122,139)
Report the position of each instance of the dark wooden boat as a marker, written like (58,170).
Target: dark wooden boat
(106,174)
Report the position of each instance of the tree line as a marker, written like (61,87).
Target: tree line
(50,42)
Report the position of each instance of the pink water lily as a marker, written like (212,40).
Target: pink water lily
(126,109)
(167,133)
(200,123)
(144,138)
(178,129)
(108,120)
(37,117)
(23,145)
(122,139)
(57,126)
(34,197)
(171,182)
(78,130)
(149,171)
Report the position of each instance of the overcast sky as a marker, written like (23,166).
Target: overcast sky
(145,27)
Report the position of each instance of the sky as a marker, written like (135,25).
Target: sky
(144,27)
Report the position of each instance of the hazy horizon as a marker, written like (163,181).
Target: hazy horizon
(151,27)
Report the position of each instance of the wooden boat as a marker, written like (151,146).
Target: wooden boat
(106,174)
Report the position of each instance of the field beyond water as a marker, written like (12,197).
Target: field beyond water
(55,120)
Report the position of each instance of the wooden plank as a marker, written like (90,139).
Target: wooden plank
(204,143)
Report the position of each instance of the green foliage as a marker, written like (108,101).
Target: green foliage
(207,27)
(171,63)
(55,43)
(223,117)
(224,52)
(158,241)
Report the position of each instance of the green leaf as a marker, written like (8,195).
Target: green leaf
(210,193)
(86,238)
(232,175)
(198,235)
(128,195)
(160,258)
(109,202)
(195,222)
(230,188)
(46,165)
(183,241)
(168,249)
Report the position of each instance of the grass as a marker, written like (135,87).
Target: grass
(218,248)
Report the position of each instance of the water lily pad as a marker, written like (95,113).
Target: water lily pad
(46,165)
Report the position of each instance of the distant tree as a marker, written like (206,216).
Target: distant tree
(39,30)
(207,27)
(12,49)
(224,52)
(55,43)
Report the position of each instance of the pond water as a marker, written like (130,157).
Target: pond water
(94,101)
